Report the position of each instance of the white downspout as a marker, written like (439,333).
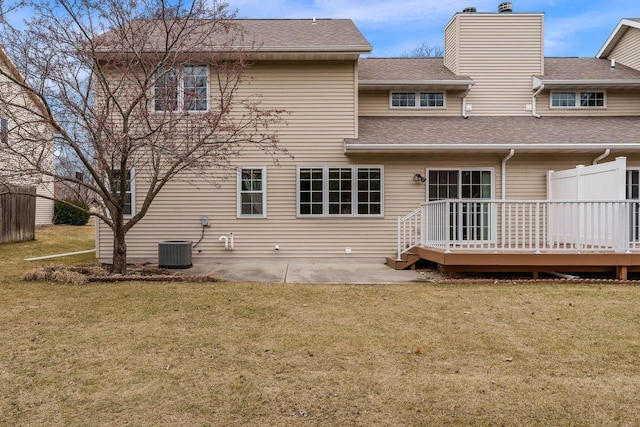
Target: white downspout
(464,102)
(534,102)
(504,172)
(602,156)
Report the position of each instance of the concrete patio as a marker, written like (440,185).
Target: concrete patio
(304,270)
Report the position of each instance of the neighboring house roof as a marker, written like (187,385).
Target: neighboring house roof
(478,133)
(11,69)
(565,72)
(261,35)
(407,71)
(616,35)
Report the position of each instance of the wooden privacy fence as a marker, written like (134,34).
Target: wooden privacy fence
(17,213)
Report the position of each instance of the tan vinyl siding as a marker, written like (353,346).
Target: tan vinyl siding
(44,207)
(178,211)
(376,103)
(500,52)
(320,97)
(627,50)
(619,103)
(451,45)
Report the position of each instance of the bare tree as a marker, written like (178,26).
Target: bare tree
(424,50)
(124,87)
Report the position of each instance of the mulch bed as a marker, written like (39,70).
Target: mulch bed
(96,272)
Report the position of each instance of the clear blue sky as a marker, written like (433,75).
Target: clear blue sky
(572,28)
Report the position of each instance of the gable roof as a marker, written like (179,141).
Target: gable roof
(566,72)
(398,72)
(11,69)
(483,133)
(259,35)
(616,35)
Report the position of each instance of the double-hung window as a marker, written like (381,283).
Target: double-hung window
(183,88)
(417,100)
(578,100)
(252,192)
(4,130)
(129,203)
(340,191)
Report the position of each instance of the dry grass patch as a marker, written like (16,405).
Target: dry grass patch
(49,240)
(278,354)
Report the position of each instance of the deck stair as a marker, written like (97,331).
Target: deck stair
(408,261)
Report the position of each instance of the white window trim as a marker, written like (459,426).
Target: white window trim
(354,189)
(417,99)
(577,94)
(180,101)
(239,213)
(132,186)
(493,235)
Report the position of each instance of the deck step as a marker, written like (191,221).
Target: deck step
(409,260)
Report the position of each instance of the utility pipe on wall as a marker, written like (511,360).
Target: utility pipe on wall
(503,172)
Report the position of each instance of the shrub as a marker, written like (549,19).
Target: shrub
(69,215)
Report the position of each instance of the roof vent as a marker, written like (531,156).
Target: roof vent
(314,22)
(613,64)
(469,10)
(505,7)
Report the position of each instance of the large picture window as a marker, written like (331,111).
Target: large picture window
(252,192)
(181,89)
(340,191)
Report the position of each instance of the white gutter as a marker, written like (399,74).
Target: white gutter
(534,102)
(384,83)
(413,148)
(464,102)
(602,156)
(504,172)
(593,82)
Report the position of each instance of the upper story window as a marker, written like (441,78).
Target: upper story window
(403,99)
(183,88)
(432,99)
(340,191)
(578,100)
(425,99)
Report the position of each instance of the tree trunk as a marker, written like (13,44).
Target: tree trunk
(119,252)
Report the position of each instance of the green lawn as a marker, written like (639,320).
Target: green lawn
(280,354)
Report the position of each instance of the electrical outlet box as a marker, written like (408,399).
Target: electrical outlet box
(347,250)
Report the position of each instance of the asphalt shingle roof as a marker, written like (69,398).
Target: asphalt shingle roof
(405,69)
(264,34)
(586,69)
(497,130)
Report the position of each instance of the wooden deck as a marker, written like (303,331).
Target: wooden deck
(618,264)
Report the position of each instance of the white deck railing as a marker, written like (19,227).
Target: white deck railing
(523,225)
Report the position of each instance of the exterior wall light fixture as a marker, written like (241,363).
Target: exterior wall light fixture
(419,178)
